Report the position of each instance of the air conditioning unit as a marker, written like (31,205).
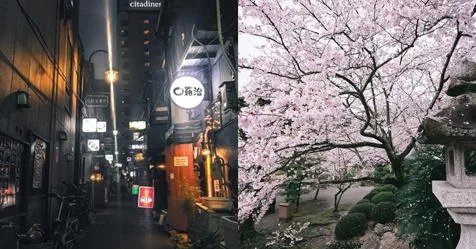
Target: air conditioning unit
(229,96)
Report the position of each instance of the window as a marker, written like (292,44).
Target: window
(228,95)
(147,52)
(123,43)
(146,42)
(124,32)
(146,21)
(146,31)
(147,64)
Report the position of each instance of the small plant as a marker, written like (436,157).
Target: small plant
(350,226)
(383,196)
(387,188)
(383,212)
(365,208)
(210,240)
(180,242)
(189,195)
(346,244)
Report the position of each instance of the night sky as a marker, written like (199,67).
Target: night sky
(92,29)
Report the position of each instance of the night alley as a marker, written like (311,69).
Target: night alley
(124,226)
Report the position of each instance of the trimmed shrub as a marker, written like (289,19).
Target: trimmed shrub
(383,212)
(371,194)
(387,188)
(365,208)
(383,196)
(346,244)
(363,201)
(350,226)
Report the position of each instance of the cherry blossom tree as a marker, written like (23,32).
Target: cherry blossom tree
(358,75)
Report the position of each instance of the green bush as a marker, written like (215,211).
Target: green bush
(346,244)
(421,218)
(371,194)
(365,208)
(363,201)
(350,226)
(387,188)
(383,212)
(383,196)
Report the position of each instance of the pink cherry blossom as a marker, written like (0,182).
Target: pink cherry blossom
(350,80)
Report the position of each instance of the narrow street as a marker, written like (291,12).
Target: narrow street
(124,226)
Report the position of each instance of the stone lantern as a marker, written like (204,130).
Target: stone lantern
(455,127)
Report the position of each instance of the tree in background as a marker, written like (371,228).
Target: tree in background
(352,74)
(421,217)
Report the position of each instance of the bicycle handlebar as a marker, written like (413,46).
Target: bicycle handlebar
(74,187)
(61,196)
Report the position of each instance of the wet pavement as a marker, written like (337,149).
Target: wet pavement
(121,225)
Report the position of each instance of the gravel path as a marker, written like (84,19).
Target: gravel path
(351,196)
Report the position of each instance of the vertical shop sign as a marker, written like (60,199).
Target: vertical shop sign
(39,159)
(146,197)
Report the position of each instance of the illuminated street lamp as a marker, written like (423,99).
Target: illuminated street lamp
(111,75)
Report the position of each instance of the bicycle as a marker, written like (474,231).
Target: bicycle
(33,237)
(83,200)
(67,229)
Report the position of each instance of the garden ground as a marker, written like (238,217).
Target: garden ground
(318,213)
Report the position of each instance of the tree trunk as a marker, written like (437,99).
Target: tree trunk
(317,193)
(336,201)
(298,198)
(397,167)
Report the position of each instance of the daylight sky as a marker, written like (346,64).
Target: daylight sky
(247,48)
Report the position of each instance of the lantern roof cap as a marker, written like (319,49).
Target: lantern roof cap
(458,121)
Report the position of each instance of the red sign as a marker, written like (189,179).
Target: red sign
(146,197)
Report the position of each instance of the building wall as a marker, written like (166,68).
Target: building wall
(26,65)
(139,53)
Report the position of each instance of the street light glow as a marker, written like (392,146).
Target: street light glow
(114,132)
(111,75)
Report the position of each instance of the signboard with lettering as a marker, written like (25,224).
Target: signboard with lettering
(146,197)
(96,100)
(180,161)
(39,160)
(93,145)
(145,5)
(90,124)
(101,126)
(187,92)
(137,125)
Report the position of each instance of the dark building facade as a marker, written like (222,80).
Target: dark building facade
(139,85)
(200,39)
(41,61)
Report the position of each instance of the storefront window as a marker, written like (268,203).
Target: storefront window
(11,164)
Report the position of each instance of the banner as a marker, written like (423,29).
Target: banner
(39,160)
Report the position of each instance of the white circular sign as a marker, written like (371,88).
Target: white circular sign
(187,92)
